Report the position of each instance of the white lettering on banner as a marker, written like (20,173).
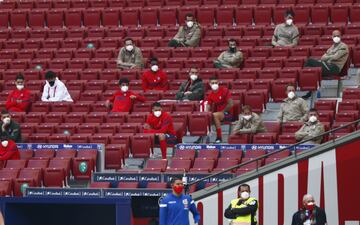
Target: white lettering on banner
(328,160)
(352,222)
(271,197)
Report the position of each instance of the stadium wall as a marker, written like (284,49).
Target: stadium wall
(332,177)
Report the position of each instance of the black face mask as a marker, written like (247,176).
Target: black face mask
(232,49)
(51,83)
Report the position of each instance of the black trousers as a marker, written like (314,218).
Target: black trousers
(326,68)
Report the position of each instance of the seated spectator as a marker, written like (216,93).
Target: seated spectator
(19,100)
(220,103)
(9,128)
(130,56)
(286,34)
(249,122)
(293,108)
(311,128)
(8,149)
(155,78)
(54,89)
(188,35)
(334,59)
(123,100)
(193,88)
(160,124)
(231,58)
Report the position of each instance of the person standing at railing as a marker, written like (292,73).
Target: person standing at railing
(242,210)
(309,214)
(175,207)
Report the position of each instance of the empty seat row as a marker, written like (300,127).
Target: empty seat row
(151,16)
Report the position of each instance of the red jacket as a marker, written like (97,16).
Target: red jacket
(155,81)
(10,152)
(123,102)
(160,125)
(23,95)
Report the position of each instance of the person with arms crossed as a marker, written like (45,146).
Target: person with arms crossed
(311,128)
(123,100)
(175,207)
(242,210)
(193,89)
(19,100)
(9,128)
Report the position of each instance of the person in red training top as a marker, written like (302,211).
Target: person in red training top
(220,103)
(123,100)
(19,99)
(8,149)
(161,124)
(155,78)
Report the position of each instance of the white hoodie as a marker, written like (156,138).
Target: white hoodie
(56,93)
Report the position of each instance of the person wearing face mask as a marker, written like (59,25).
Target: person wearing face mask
(175,207)
(334,59)
(286,34)
(130,56)
(293,108)
(9,128)
(54,89)
(221,104)
(242,210)
(193,89)
(155,78)
(8,149)
(161,125)
(249,122)
(123,100)
(310,213)
(19,100)
(188,35)
(231,58)
(311,128)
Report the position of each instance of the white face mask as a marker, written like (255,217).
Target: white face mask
(190,23)
(312,119)
(336,39)
(124,88)
(129,48)
(193,77)
(6,120)
(4,143)
(154,68)
(245,195)
(291,95)
(247,117)
(214,87)
(289,22)
(20,87)
(157,113)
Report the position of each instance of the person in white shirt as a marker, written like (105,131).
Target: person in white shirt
(54,89)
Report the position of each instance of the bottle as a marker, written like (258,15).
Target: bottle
(184,178)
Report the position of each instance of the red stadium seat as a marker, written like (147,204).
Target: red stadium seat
(261,138)
(203,165)
(5,188)
(156,165)
(224,163)
(18,18)
(262,15)
(157,185)
(255,99)
(83,167)
(302,13)
(36,18)
(286,139)
(230,154)
(131,16)
(185,154)
(244,15)
(225,15)
(16,164)
(206,15)
(54,177)
(355,14)
(179,165)
(320,14)
(208,154)
(238,139)
(166,16)
(199,123)
(114,156)
(141,146)
(148,16)
(309,79)
(291,127)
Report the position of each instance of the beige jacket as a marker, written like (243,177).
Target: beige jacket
(293,110)
(191,36)
(309,130)
(230,59)
(337,54)
(127,59)
(285,35)
(254,125)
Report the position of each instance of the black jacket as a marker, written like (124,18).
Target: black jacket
(300,217)
(12,131)
(197,88)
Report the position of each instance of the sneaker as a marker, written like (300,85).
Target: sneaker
(218,140)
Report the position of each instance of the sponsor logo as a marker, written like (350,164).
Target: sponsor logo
(105,178)
(128,178)
(67,146)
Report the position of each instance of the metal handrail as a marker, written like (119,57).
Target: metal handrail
(271,153)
